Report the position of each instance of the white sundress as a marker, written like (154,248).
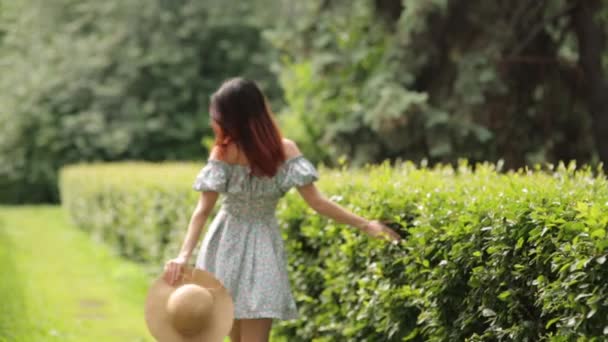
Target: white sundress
(243,246)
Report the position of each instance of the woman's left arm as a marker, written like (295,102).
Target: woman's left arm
(324,206)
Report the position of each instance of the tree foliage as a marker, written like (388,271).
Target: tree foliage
(368,80)
(111,80)
(443,79)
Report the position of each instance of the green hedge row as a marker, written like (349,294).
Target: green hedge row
(142,209)
(486,255)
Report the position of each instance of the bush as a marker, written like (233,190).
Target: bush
(486,255)
(137,207)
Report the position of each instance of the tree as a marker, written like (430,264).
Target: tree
(134,85)
(440,79)
(590,31)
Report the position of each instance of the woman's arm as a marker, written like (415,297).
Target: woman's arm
(173,267)
(206,202)
(326,207)
(203,209)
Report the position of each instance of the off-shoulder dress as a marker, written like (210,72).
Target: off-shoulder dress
(243,246)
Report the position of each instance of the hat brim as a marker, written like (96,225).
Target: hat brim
(158,319)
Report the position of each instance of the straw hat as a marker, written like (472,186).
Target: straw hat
(197,308)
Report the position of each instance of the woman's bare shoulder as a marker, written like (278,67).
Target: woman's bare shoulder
(230,154)
(291,148)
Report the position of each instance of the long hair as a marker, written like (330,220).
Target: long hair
(242,112)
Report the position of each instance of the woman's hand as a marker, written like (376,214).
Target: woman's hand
(173,269)
(377,229)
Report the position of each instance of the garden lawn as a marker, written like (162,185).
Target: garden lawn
(59,285)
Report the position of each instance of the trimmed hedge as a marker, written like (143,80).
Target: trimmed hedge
(486,255)
(142,209)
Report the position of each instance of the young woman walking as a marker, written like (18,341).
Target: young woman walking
(253,166)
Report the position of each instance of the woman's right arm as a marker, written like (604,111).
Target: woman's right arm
(322,205)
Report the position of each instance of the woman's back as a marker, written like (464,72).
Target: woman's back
(245,194)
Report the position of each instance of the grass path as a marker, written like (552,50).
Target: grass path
(56,284)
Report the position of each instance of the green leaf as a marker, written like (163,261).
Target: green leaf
(520,243)
(552,321)
(599,233)
(504,295)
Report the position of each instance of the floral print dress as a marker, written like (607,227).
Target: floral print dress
(243,246)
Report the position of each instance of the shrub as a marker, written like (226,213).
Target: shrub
(486,255)
(137,207)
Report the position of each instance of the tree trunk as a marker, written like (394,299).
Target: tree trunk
(591,42)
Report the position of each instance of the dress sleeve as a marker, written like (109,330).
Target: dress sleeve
(213,176)
(300,171)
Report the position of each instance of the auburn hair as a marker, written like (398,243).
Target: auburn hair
(242,112)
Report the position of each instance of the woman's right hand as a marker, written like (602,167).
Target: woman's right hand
(377,229)
(173,269)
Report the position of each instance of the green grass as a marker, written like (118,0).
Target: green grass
(59,285)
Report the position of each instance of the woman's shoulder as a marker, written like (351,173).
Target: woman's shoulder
(229,154)
(291,148)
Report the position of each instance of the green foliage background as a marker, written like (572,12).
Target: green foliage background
(435,79)
(486,255)
(113,80)
(359,80)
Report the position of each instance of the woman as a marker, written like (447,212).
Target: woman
(253,166)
